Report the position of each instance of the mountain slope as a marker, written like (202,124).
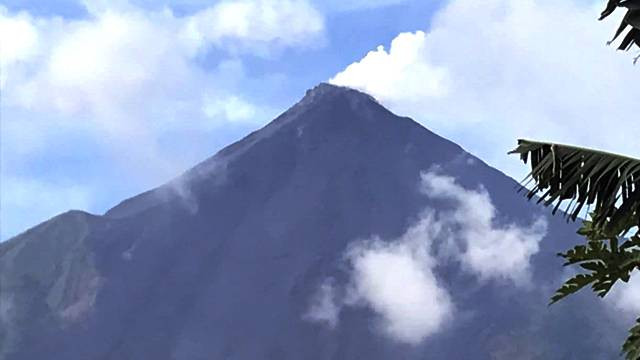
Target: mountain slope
(224,261)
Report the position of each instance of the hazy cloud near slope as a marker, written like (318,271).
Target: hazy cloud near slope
(490,251)
(325,306)
(396,278)
(487,73)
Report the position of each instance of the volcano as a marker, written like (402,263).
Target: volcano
(250,255)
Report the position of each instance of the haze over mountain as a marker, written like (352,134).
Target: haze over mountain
(338,231)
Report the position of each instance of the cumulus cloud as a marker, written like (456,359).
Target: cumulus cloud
(489,250)
(126,72)
(111,66)
(396,278)
(486,73)
(401,66)
(125,78)
(250,24)
(19,42)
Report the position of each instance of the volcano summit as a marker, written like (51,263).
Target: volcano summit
(337,231)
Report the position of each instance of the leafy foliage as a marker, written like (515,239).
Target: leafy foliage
(603,258)
(631,346)
(611,184)
(586,177)
(608,182)
(632,19)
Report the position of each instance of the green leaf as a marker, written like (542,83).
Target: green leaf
(631,347)
(572,285)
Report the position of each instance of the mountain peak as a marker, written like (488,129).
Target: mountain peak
(326,111)
(326,91)
(326,88)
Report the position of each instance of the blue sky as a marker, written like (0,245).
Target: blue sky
(102,100)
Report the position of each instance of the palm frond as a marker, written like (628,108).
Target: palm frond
(612,5)
(609,183)
(631,19)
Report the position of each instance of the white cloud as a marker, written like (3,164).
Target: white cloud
(112,66)
(242,24)
(400,68)
(488,250)
(489,72)
(396,278)
(125,72)
(18,40)
(126,78)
